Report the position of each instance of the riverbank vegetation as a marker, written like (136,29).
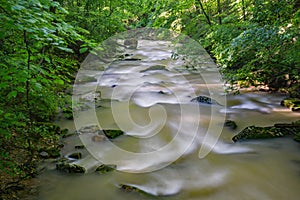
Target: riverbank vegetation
(43,42)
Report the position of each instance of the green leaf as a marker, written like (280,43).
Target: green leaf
(65,49)
(83,50)
(12,94)
(59,82)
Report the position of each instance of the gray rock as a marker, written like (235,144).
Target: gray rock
(75,156)
(205,100)
(44,154)
(230,124)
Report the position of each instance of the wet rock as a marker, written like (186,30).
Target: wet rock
(132,59)
(75,156)
(230,124)
(253,132)
(291,103)
(69,167)
(50,152)
(129,188)
(297,137)
(68,135)
(205,100)
(79,147)
(103,169)
(98,138)
(44,154)
(89,129)
(155,67)
(86,79)
(111,134)
(131,43)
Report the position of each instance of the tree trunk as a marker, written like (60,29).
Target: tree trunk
(244,10)
(205,14)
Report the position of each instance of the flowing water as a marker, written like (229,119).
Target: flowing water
(173,148)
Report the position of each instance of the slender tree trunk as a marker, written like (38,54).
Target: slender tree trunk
(205,14)
(219,12)
(28,107)
(244,10)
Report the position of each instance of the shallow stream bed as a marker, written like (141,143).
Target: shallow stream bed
(173,148)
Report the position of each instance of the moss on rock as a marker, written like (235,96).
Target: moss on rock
(278,130)
(69,167)
(291,103)
(112,134)
(253,132)
(103,169)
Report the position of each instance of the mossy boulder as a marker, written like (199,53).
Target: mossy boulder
(112,134)
(69,167)
(291,103)
(103,169)
(297,137)
(253,132)
(278,130)
(205,100)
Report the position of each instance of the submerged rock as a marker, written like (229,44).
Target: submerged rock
(155,67)
(98,138)
(86,79)
(79,147)
(291,103)
(205,100)
(230,124)
(103,169)
(88,129)
(69,167)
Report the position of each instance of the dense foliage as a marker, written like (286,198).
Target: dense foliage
(42,42)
